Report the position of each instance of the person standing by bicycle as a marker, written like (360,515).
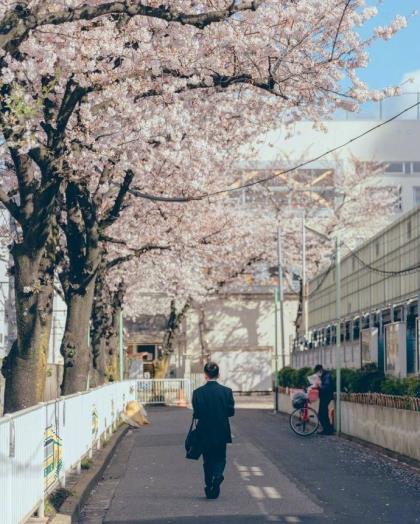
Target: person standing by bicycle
(326,394)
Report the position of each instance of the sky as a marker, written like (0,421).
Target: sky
(392,61)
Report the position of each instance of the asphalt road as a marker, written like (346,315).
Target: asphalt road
(272,476)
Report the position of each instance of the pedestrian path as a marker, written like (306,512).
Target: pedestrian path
(159,485)
(272,476)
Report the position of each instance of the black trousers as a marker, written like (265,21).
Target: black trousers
(214,462)
(323,414)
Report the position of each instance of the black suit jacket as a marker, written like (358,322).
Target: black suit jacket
(213,404)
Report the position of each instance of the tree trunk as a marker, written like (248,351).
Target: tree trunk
(105,329)
(113,356)
(25,366)
(75,345)
(162,366)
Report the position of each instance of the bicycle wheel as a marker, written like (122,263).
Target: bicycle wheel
(304,424)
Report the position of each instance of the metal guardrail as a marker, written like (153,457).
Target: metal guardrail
(171,392)
(39,445)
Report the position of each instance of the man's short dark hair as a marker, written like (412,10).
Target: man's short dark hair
(318,367)
(211,369)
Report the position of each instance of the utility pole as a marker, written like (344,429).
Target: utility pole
(281,295)
(338,333)
(304,290)
(121,344)
(276,354)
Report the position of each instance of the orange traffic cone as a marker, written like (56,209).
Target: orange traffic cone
(182,401)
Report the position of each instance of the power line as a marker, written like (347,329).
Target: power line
(407,270)
(163,198)
(393,273)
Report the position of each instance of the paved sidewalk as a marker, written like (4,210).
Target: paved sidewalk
(270,477)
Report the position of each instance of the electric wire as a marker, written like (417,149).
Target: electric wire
(410,269)
(169,199)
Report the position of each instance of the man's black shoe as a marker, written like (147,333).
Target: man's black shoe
(212,493)
(328,433)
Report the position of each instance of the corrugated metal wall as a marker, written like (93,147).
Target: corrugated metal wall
(362,289)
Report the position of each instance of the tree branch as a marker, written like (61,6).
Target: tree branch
(218,81)
(16,25)
(136,254)
(10,205)
(115,211)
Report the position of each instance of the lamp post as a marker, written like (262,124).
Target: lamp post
(338,332)
(276,355)
(281,295)
(121,344)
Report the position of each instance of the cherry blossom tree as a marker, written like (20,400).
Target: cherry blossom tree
(98,94)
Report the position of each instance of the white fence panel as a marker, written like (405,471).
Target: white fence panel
(5,470)
(24,464)
(39,445)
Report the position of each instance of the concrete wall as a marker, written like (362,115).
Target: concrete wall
(394,429)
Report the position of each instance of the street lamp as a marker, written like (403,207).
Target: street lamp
(338,320)
(121,343)
(279,300)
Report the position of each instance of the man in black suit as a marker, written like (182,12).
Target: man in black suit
(213,404)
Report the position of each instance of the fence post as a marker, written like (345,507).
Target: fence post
(41,509)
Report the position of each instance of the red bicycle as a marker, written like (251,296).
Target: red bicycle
(304,419)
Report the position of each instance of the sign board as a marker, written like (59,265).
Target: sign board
(396,349)
(369,346)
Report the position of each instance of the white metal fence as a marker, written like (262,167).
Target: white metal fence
(171,392)
(39,445)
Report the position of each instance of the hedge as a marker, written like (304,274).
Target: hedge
(368,379)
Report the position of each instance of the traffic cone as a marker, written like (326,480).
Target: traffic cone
(182,401)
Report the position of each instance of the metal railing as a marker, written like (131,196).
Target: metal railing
(39,445)
(171,392)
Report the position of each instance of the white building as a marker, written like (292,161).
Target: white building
(236,330)
(396,144)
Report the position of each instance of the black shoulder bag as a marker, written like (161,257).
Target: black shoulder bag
(192,442)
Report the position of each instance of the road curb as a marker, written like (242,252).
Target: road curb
(70,510)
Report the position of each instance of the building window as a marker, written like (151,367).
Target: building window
(416,195)
(395,168)
(147,351)
(347,330)
(409,229)
(416,167)
(402,168)
(356,329)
